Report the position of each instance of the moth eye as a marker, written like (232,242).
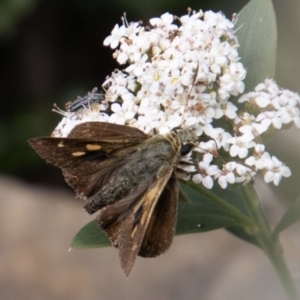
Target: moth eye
(185,149)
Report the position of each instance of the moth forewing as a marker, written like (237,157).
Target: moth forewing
(99,130)
(88,153)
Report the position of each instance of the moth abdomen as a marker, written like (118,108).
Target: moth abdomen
(91,207)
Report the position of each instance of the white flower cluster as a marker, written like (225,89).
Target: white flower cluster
(276,106)
(161,69)
(185,75)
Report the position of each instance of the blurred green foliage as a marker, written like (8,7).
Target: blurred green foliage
(11,11)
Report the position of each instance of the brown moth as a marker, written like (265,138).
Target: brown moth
(128,177)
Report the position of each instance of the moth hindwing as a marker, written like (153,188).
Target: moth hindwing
(126,176)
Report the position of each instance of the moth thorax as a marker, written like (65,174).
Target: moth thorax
(188,138)
(174,140)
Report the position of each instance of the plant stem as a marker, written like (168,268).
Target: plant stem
(270,245)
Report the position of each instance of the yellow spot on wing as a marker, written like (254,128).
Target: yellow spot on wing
(60,145)
(78,153)
(91,147)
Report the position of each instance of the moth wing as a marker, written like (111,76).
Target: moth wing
(88,161)
(127,230)
(161,229)
(100,130)
(110,217)
(81,155)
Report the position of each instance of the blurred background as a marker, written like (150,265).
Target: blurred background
(52,52)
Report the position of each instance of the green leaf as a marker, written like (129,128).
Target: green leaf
(90,236)
(290,217)
(257,36)
(244,235)
(235,199)
(199,214)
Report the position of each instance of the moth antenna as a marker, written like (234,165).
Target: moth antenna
(208,138)
(189,95)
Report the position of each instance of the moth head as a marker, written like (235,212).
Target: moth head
(188,139)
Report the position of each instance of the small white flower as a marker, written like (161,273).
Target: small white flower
(228,109)
(251,131)
(218,21)
(276,170)
(117,34)
(289,115)
(263,99)
(259,157)
(239,147)
(165,20)
(245,174)
(219,135)
(123,113)
(137,68)
(269,117)
(232,80)
(226,175)
(205,174)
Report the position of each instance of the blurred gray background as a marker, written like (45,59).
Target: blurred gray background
(51,52)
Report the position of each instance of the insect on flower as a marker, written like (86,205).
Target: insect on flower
(128,176)
(83,102)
